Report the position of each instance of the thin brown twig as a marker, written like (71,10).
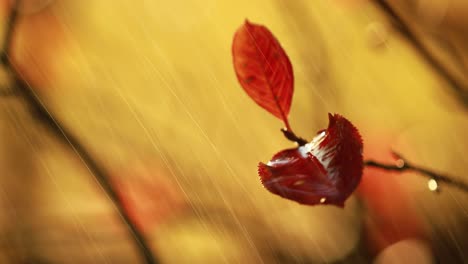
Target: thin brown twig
(460,89)
(403,165)
(67,137)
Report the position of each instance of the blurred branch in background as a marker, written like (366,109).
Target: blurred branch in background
(8,92)
(458,87)
(63,134)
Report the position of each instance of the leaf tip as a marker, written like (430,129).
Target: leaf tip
(331,119)
(263,171)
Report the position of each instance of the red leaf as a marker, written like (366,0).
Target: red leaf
(41,36)
(263,69)
(326,170)
(148,196)
(392,215)
(391,212)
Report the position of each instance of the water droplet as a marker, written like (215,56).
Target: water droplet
(249,79)
(300,182)
(400,163)
(432,185)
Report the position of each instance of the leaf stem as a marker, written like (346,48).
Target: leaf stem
(67,137)
(289,134)
(403,165)
(286,123)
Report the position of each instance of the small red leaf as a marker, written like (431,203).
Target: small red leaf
(326,170)
(263,69)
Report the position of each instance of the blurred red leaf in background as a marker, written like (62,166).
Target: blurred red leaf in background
(392,215)
(39,38)
(148,196)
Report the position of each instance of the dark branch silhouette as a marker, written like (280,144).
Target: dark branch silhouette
(67,137)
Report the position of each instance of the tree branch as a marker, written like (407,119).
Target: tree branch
(66,136)
(403,165)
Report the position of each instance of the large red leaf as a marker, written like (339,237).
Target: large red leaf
(263,69)
(325,171)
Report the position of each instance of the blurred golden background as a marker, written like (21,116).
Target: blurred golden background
(149,88)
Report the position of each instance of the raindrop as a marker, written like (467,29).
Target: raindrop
(432,185)
(400,163)
(300,182)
